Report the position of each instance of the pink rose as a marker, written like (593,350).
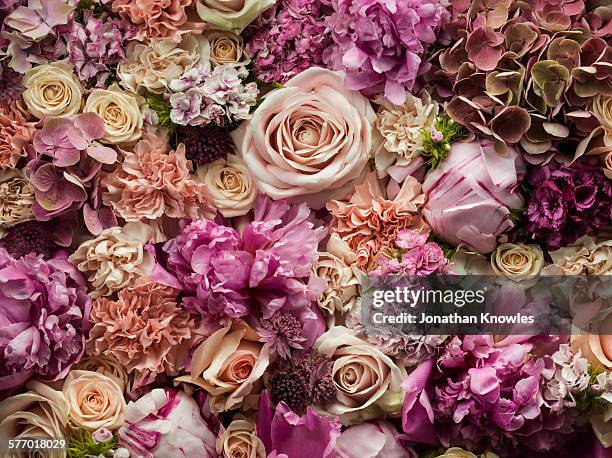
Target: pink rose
(309,137)
(470,195)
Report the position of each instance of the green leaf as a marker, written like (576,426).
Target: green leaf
(81,445)
(435,152)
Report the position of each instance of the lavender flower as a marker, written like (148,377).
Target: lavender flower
(95,46)
(571,376)
(288,38)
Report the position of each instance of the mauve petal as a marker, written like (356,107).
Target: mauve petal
(417,413)
(103,154)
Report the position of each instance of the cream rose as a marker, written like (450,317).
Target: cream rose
(595,343)
(602,109)
(52,90)
(151,67)
(229,365)
(366,380)
(337,267)
(39,413)
(224,48)
(231,14)
(120,111)
(96,401)
(586,256)
(16,198)
(115,258)
(606,163)
(309,137)
(230,184)
(105,365)
(240,440)
(456,452)
(517,261)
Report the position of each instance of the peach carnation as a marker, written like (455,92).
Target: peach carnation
(153,182)
(15,133)
(144,329)
(158,18)
(369,222)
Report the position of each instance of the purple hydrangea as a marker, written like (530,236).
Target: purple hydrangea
(43,318)
(288,39)
(258,273)
(380,44)
(568,201)
(96,45)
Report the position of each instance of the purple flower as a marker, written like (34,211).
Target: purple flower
(288,38)
(372,440)
(101,435)
(264,270)
(568,201)
(282,431)
(43,317)
(380,44)
(97,45)
(167,422)
(492,395)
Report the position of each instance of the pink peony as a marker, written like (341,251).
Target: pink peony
(380,44)
(43,318)
(470,195)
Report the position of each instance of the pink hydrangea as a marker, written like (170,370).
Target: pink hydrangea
(380,44)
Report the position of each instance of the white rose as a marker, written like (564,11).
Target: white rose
(52,90)
(231,186)
(231,14)
(517,261)
(120,112)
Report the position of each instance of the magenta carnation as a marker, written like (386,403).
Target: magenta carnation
(43,317)
(380,44)
(262,270)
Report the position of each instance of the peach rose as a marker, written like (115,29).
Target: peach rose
(52,90)
(240,440)
(39,413)
(224,48)
(105,365)
(231,187)
(606,162)
(96,401)
(367,381)
(229,365)
(309,137)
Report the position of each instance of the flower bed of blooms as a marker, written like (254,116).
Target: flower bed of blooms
(193,191)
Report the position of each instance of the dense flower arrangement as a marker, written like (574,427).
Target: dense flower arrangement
(193,194)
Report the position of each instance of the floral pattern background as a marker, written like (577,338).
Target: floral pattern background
(193,193)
